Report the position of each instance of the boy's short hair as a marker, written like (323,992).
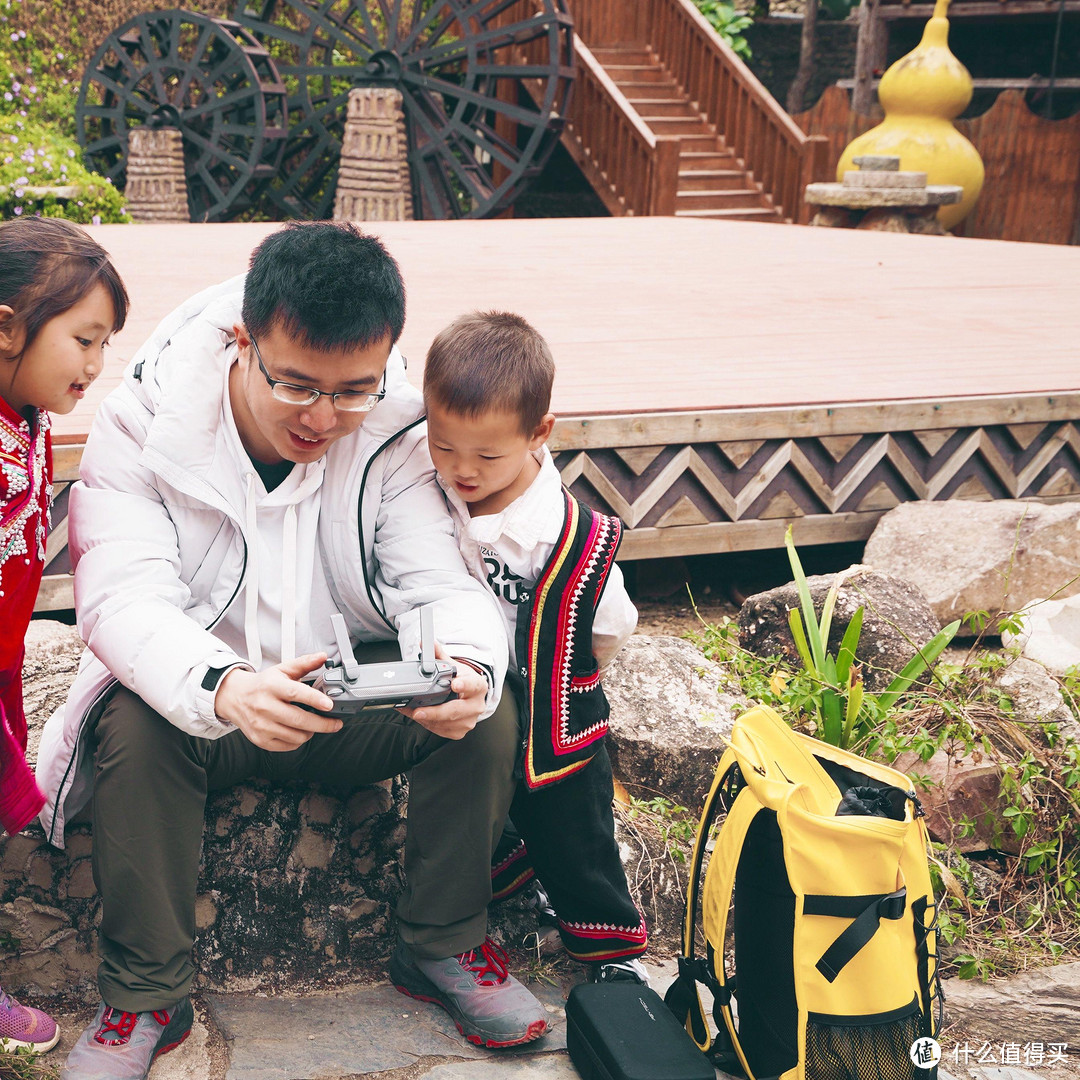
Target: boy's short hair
(491,360)
(327,285)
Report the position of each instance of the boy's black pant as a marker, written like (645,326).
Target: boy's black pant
(568,834)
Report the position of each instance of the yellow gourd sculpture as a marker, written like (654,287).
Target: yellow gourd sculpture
(921,93)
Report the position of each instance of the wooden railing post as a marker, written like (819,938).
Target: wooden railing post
(664,175)
(815,167)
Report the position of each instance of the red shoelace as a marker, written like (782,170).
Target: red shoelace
(122,1024)
(489,964)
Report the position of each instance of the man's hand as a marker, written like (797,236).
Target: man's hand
(263,704)
(454,719)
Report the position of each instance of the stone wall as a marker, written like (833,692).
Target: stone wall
(298,886)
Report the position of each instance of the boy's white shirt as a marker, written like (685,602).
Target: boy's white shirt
(521,538)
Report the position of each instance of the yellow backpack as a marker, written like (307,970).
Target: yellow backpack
(835,942)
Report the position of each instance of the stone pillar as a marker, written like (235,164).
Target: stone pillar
(373,176)
(156,187)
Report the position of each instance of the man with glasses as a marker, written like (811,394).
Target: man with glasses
(261,468)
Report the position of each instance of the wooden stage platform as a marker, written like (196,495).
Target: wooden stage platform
(717,380)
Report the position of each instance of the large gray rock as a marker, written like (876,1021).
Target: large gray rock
(980,556)
(1040,1006)
(896,620)
(671,717)
(52,658)
(293,884)
(1036,697)
(1049,634)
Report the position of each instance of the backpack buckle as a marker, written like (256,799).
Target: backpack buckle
(893,905)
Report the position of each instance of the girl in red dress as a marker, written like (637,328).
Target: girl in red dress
(60,300)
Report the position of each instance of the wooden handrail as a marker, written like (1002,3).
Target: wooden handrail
(631,169)
(780,157)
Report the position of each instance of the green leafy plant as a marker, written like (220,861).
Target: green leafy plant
(728,23)
(23,1064)
(676,825)
(41,172)
(845,712)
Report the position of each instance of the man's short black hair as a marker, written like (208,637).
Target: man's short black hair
(327,285)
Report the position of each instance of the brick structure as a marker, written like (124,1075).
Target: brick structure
(156,187)
(373,176)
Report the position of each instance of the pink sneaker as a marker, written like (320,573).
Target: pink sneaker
(22,1027)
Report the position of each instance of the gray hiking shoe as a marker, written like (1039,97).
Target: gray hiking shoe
(123,1045)
(488,1005)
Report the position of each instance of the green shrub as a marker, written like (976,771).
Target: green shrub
(34,156)
(728,23)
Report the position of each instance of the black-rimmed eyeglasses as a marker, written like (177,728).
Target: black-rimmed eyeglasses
(291,394)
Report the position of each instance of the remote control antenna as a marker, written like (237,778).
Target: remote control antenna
(341,635)
(427,641)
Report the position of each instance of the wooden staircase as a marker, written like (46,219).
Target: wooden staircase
(665,119)
(712,181)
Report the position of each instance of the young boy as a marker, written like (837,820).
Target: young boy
(551,563)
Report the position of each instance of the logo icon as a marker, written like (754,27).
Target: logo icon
(925,1053)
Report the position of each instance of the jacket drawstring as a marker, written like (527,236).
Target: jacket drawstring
(288,585)
(251,589)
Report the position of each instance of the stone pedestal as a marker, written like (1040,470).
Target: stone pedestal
(156,187)
(373,176)
(879,197)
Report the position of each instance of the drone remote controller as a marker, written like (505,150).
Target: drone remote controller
(354,687)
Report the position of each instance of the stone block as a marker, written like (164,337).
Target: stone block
(670,717)
(980,556)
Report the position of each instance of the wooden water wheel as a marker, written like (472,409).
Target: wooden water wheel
(213,80)
(484,86)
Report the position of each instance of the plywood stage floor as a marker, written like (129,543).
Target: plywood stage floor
(717,380)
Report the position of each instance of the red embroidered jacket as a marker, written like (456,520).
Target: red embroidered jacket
(25,495)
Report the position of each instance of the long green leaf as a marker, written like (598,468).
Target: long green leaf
(795,623)
(918,664)
(832,719)
(827,614)
(846,657)
(817,648)
(851,714)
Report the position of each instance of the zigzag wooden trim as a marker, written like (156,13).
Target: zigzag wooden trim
(689,483)
(722,483)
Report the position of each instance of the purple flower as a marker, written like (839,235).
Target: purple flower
(8,96)
(18,210)
(19,192)
(96,219)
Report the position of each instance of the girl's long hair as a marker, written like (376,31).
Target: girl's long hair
(48,265)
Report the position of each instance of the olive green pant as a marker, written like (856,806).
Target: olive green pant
(150,788)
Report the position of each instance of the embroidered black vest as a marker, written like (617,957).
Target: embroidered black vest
(563,704)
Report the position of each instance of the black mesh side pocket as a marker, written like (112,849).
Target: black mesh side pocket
(876,1047)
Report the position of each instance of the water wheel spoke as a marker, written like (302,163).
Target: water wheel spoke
(489,39)
(467,94)
(489,142)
